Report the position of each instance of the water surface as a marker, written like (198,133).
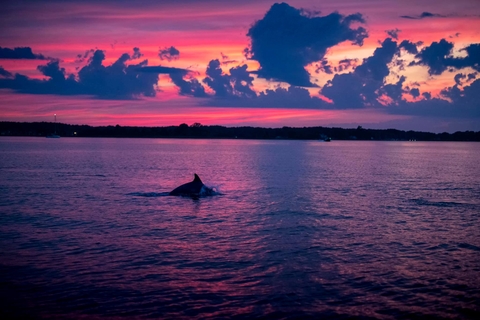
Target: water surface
(303,229)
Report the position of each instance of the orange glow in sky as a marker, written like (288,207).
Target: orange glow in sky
(203,31)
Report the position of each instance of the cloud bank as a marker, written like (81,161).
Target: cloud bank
(287,39)
(286,42)
(424,15)
(117,81)
(169,54)
(438,57)
(20,53)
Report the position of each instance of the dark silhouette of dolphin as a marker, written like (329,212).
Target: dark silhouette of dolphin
(195,188)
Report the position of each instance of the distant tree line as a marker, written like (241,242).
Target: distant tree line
(198,130)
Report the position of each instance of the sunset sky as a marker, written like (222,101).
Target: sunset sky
(410,65)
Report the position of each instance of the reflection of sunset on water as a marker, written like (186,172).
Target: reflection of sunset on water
(357,228)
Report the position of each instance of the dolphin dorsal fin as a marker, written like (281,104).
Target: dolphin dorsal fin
(197,178)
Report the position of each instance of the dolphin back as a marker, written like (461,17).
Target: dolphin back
(193,188)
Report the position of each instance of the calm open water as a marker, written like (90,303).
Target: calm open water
(303,229)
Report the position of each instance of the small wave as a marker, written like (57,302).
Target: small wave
(79,174)
(423,202)
(148,194)
(204,192)
(469,246)
(209,191)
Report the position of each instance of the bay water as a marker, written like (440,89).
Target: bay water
(298,229)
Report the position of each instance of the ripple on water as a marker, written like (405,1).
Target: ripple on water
(364,230)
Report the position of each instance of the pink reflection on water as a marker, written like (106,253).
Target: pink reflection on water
(301,226)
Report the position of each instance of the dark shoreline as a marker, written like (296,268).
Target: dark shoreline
(199,131)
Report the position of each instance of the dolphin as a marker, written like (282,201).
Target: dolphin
(195,188)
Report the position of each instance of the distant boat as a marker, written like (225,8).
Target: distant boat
(54,134)
(324,137)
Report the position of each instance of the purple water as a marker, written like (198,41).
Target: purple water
(303,229)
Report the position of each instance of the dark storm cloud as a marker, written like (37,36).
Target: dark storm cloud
(169,53)
(162,70)
(291,97)
(393,33)
(82,57)
(5,73)
(53,71)
(429,107)
(235,90)
(20,53)
(458,78)
(454,102)
(438,57)
(424,15)
(471,60)
(435,56)
(364,81)
(471,95)
(394,91)
(454,93)
(238,83)
(216,80)
(430,15)
(471,76)
(414,92)
(190,87)
(241,81)
(117,81)
(58,83)
(408,46)
(287,39)
(136,53)
(324,67)
(335,90)
(466,95)
(376,66)
(366,87)
(346,64)
(463,103)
